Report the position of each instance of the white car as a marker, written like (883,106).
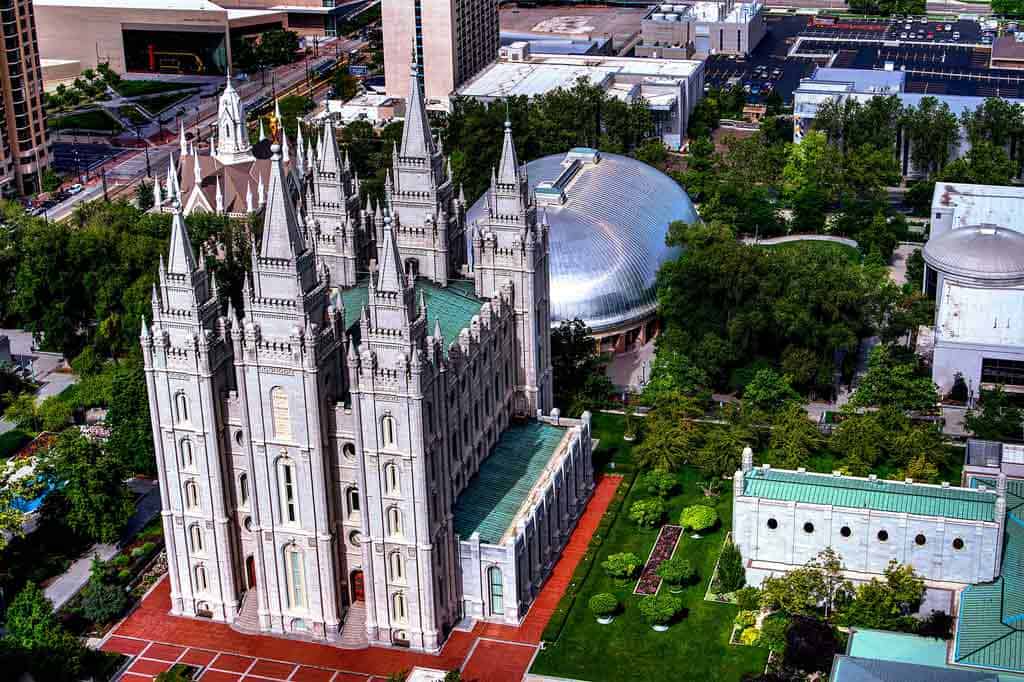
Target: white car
(75,189)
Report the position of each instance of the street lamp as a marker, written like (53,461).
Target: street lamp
(145,146)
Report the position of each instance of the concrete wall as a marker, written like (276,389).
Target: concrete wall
(93,34)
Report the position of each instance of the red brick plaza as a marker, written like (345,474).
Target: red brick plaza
(491,653)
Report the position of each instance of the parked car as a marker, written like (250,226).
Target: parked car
(75,189)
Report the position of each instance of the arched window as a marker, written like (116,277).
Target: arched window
(195,537)
(388,431)
(352,501)
(396,567)
(286,480)
(191,495)
(295,577)
(497,590)
(187,458)
(202,584)
(398,613)
(280,412)
(181,407)
(392,481)
(394,517)
(243,490)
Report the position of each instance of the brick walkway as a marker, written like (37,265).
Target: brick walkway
(491,653)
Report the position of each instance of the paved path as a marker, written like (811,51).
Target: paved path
(44,367)
(61,590)
(772,241)
(495,653)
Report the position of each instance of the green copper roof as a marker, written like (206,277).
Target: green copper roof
(453,306)
(494,496)
(990,627)
(858,493)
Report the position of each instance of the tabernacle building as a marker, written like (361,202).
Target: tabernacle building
(367,454)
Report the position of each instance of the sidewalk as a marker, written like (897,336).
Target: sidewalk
(61,590)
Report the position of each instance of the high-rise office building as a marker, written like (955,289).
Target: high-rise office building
(454,40)
(23,142)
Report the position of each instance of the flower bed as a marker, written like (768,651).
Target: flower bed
(41,442)
(710,594)
(664,547)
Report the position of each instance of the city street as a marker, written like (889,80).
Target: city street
(124,171)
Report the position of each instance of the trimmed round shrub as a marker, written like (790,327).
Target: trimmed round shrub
(124,575)
(745,618)
(677,571)
(748,598)
(698,517)
(659,482)
(750,636)
(660,609)
(137,552)
(647,513)
(120,561)
(148,547)
(623,565)
(603,604)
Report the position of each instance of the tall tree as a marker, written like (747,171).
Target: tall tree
(933,132)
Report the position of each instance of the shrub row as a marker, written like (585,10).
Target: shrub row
(557,621)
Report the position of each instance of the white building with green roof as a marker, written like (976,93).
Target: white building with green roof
(782,519)
(367,454)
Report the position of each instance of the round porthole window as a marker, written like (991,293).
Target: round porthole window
(238,437)
(808,527)
(773,524)
(355,538)
(247,523)
(920,539)
(349,451)
(883,536)
(845,531)
(958,544)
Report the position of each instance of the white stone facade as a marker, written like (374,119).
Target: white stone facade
(310,456)
(778,535)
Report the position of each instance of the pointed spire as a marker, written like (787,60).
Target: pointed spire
(154,298)
(248,197)
(197,172)
(158,200)
(181,139)
(181,259)
(438,336)
(329,156)
(260,192)
(219,198)
(351,348)
(416,139)
(390,277)
(310,161)
(285,154)
(263,133)
(145,329)
(282,237)
(462,194)
(299,149)
(508,169)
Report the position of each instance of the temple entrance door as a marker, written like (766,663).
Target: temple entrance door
(357,586)
(250,572)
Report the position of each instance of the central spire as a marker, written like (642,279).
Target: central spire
(282,237)
(391,277)
(180,260)
(508,170)
(416,139)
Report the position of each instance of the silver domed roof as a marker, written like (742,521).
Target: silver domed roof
(981,253)
(607,238)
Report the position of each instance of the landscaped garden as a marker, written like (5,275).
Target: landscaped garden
(156,104)
(95,119)
(696,644)
(134,88)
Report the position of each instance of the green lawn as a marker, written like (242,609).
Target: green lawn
(135,88)
(848,252)
(696,647)
(159,103)
(97,119)
(132,115)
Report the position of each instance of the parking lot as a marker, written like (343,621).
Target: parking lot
(943,60)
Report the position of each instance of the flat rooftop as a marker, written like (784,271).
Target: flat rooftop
(186,5)
(495,496)
(865,493)
(617,23)
(546,73)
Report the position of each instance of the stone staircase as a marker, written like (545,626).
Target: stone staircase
(353,631)
(247,621)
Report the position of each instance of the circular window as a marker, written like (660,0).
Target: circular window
(247,523)
(239,437)
(808,527)
(920,539)
(355,538)
(773,524)
(958,543)
(349,451)
(883,536)
(845,531)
